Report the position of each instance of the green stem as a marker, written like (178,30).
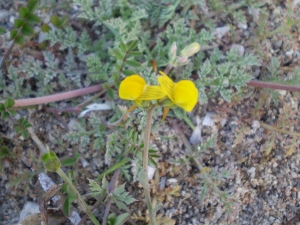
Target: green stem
(113,168)
(145,164)
(81,202)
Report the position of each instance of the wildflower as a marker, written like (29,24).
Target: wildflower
(134,88)
(183,94)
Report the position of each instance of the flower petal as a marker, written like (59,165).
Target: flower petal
(132,87)
(167,85)
(186,95)
(152,93)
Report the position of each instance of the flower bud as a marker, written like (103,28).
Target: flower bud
(51,161)
(180,61)
(173,49)
(172,53)
(190,50)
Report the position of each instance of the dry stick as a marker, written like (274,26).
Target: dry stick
(291,221)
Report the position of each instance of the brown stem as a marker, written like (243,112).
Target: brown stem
(262,84)
(95,88)
(57,97)
(110,189)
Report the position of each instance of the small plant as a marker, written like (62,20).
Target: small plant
(5,109)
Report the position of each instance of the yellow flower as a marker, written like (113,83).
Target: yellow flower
(183,94)
(134,88)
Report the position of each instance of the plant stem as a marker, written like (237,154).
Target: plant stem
(95,88)
(274,128)
(262,84)
(81,202)
(145,164)
(57,97)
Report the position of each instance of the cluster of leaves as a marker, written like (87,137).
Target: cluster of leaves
(23,24)
(275,77)
(118,196)
(210,189)
(5,109)
(220,72)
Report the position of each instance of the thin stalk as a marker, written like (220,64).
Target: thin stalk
(145,165)
(273,128)
(81,202)
(57,97)
(113,168)
(262,84)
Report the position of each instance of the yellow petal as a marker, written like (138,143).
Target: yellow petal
(167,85)
(186,95)
(152,93)
(132,87)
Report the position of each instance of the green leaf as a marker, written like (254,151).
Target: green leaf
(63,21)
(13,33)
(9,103)
(2,30)
(23,12)
(133,63)
(24,133)
(96,189)
(132,45)
(153,162)
(19,40)
(71,197)
(18,23)
(123,47)
(111,93)
(32,18)
(32,4)
(69,162)
(128,72)
(118,67)
(55,20)
(67,206)
(119,55)
(27,30)
(135,53)
(2,108)
(121,219)
(46,28)
(5,115)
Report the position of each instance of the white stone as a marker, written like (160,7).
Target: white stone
(29,208)
(151,171)
(221,31)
